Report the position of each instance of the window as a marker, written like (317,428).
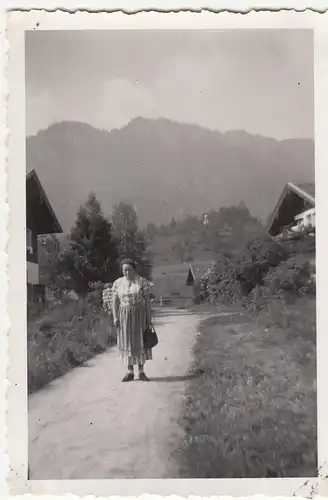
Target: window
(29,241)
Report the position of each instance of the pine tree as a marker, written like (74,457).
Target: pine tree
(92,254)
(131,241)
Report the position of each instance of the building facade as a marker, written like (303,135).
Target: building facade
(306,219)
(40,220)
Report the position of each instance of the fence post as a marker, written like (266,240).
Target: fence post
(161,301)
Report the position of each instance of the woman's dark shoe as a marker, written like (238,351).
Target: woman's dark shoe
(128,377)
(143,377)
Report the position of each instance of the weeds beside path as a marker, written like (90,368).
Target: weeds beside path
(63,338)
(253,412)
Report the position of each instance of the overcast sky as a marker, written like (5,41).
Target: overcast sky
(259,81)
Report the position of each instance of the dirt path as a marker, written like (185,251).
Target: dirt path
(90,425)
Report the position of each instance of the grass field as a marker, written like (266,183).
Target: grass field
(253,411)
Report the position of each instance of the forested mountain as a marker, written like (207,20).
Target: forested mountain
(164,169)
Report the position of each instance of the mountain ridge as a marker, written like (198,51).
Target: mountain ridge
(140,119)
(164,168)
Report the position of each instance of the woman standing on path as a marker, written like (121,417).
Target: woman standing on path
(132,315)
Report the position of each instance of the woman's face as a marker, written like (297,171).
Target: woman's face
(128,271)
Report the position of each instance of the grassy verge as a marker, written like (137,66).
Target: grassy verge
(65,337)
(253,411)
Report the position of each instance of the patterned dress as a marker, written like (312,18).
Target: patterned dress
(130,301)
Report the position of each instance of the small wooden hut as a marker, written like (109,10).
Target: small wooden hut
(193,280)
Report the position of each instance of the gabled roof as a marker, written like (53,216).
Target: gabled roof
(305,191)
(37,202)
(196,272)
(191,277)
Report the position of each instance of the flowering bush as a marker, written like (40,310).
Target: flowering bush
(107,297)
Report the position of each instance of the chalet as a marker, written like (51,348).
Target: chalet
(40,220)
(294,211)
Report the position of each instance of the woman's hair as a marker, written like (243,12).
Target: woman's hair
(130,262)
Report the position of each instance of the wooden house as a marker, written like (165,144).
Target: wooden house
(295,209)
(40,220)
(194,277)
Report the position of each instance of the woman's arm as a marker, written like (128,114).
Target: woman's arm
(115,303)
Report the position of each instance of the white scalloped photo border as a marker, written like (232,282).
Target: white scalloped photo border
(12,252)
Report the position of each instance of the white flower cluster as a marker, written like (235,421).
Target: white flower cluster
(107,298)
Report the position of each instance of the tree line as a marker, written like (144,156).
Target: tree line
(94,248)
(96,245)
(193,237)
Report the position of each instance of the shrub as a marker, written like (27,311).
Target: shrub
(232,279)
(292,278)
(260,256)
(285,283)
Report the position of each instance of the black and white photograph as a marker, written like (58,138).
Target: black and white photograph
(171,325)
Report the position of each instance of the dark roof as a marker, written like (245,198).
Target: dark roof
(38,208)
(196,272)
(191,277)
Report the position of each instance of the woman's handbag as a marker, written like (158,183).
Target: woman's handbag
(150,338)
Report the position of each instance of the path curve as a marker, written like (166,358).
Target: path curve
(90,425)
